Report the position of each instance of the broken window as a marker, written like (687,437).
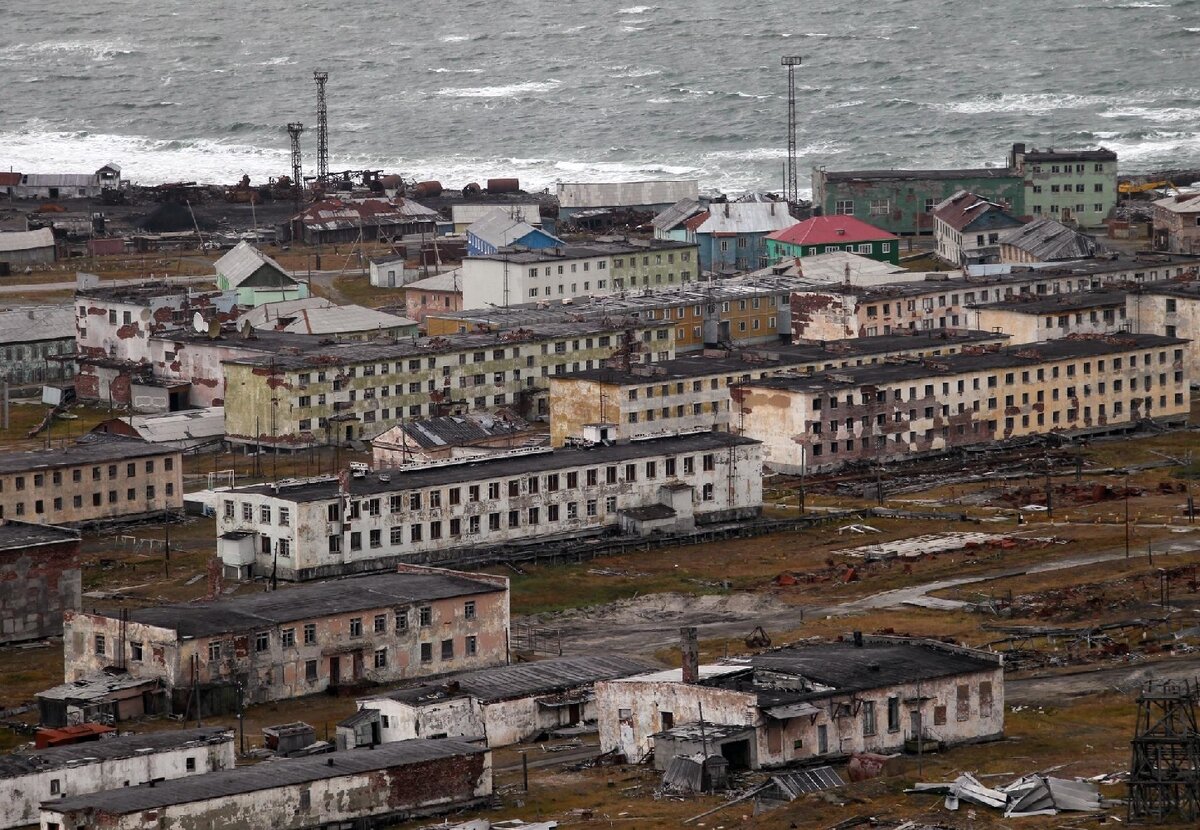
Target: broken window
(868,717)
(939,715)
(963,702)
(985,699)
(893,714)
(447,649)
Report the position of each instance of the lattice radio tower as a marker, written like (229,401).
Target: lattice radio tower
(1164,776)
(294,129)
(791,190)
(322,127)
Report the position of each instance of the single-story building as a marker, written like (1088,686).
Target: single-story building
(454,436)
(24,249)
(256,277)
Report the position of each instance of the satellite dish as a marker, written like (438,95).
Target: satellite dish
(214,329)
(144,314)
(198,323)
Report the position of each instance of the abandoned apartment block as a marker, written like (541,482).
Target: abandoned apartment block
(39,579)
(283,644)
(312,529)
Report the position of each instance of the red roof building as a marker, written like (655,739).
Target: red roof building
(825,234)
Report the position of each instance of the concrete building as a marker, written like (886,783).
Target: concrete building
(1046,240)
(435,512)
(277,645)
(968,227)
(471,435)
(500,706)
(439,294)
(606,266)
(391,271)
(902,201)
(1077,186)
(501,228)
(1030,318)
(256,278)
(36,344)
(116,358)
(579,201)
(692,393)
(98,478)
(29,778)
(345,221)
(376,788)
(1176,224)
(1170,308)
(826,234)
(344,393)
(463,216)
(732,235)
(322,318)
(1079,385)
(799,704)
(26,249)
(942,300)
(39,579)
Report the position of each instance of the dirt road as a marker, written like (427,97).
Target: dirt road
(1124,678)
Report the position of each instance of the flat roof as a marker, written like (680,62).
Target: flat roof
(488,467)
(401,348)
(108,749)
(15,534)
(250,612)
(522,679)
(286,772)
(1014,356)
(584,251)
(962,173)
(1186,289)
(1051,303)
(93,448)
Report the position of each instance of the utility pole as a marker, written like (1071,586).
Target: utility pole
(1126,514)
(791,189)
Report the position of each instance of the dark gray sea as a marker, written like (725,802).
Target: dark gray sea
(550,90)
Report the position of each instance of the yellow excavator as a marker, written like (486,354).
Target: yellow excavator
(1129,188)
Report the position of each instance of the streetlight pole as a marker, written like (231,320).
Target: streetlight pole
(1127,514)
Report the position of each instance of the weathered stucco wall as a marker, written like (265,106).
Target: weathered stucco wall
(37,585)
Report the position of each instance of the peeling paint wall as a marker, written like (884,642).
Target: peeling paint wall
(1176,316)
(37,584)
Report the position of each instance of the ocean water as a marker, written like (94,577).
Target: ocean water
(547,91)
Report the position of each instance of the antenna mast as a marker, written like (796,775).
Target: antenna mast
(294,129)
(790,187)
(322,127)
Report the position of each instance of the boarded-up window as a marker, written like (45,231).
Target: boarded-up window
(963,702)
(774,737)
(985,699)
(939,715)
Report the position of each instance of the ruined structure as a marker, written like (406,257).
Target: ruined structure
(320,527)
(39,579)
(282,644)
(799,703)
(1077,385)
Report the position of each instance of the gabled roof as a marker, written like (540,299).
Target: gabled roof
(625,194)
(830,230)
(498,228)
(8,179)
(677,214)
(246,265)
(26,240)
(746,217)
(343,319)
(187,426)
(334,214)
(963,209)
(1047,240)
(457,430)
(446,281)
(38,322)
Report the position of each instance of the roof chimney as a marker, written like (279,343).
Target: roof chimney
(727,210)
(689,649)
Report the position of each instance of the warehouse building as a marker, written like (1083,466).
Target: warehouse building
(277,645)
(363,788)
(801,704)
(1078,385)
(433,513)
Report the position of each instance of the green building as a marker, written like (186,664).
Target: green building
(1077,186)
(826,234)
(902,201)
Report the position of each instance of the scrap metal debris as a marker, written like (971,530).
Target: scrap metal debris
(1029,795)
(919,546)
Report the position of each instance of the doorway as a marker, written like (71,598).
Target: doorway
(335,670)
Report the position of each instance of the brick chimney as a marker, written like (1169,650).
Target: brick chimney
(689,649)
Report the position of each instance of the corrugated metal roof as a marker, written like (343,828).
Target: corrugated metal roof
(792,785)
(747,217)
(525,679)
(469,214)
(677,213)
(447,281)
(625,194)
(1047,240)
(58,180)
(31,324)
(107,749)
(188,426)
(26,240)
(344,319)
(457,430)
(964,208)
(831,230)
(243,261)
(1180,204)
(498,228)
(263,777)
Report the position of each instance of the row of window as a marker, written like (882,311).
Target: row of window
(681,411)
(1066,169)
(98,500)
(35,350)
(56,477)
(1066,188)
(1079,208)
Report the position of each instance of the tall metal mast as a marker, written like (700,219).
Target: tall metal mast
(294,129)
(322,127)
(791,190)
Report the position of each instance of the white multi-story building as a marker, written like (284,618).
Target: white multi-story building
(317,528)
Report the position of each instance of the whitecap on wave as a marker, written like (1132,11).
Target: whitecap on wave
(636,9)
(504,91)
